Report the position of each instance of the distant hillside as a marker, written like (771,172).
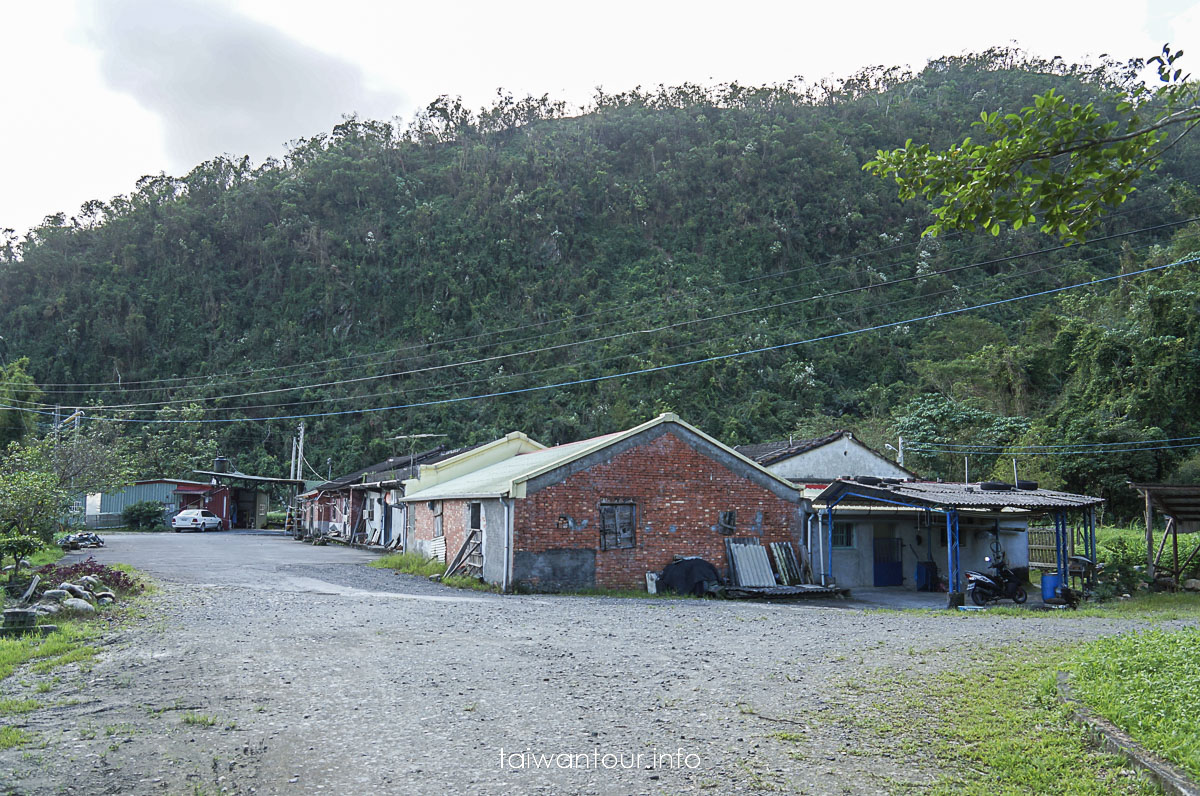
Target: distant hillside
(658,227)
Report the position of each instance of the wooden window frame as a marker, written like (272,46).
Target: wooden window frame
(618,524)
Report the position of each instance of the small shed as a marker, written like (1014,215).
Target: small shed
(241,500)
(104,509)
(1180,504)
(977,505)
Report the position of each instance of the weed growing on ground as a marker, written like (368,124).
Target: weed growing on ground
(13,736)
(996,727)
(11,707)
(201,719)
(467,582)
(66,645)
(410,563)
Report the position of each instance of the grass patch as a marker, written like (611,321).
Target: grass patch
(1148,684)
(1155,606)
(467,582)
(410,563)
(47,555)
(199,719)
(13,736)
(12,707)
(68,644)
(991,728)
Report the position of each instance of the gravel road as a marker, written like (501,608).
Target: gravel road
(267,666)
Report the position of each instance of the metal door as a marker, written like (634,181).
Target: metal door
(889,569)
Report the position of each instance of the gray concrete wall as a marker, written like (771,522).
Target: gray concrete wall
(838,458)
(495,531)
(555,570)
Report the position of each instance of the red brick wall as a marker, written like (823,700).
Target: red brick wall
(672,485)
(455,518)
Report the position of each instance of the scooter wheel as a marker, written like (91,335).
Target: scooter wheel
(977,597)
(1020,596)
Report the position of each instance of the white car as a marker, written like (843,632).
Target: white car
(195,520)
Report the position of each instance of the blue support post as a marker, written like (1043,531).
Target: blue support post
(829,545)
(1062,545)
(952,550)
(1091,534)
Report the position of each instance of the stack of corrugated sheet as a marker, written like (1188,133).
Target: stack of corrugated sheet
(748,564)
(786,563)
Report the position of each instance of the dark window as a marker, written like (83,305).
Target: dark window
(843,534)
(476,518)
(617,524)
(727,522)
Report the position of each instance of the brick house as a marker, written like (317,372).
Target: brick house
(599,512)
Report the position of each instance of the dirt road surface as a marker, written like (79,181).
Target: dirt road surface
(272,667)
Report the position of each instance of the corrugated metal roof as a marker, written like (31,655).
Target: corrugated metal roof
(395,466)
(495,480)
(770,452)
(1180,501)
(508,476)
(955,495)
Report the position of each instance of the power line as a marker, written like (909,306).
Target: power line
(1079,452)
(674,366)
(490,378)
(981,448)
(198,381)
(575,343)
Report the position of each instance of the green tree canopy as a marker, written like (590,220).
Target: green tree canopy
(1061,163)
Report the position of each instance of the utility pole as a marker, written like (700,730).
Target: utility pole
(900,451)
(292,464)
(300,461)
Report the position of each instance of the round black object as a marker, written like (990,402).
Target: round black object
(869,480)
(995,486)
(688,576)
(1027,485)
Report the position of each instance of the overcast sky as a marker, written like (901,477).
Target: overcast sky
(100,92)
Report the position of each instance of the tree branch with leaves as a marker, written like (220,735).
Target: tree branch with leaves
(1059,164)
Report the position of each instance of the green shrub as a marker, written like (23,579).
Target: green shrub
(1122,573)
(145,515)
(17,547)
(276,519)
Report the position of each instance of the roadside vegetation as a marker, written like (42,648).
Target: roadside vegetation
(35,658)
(417,564)
(410,564)
(1148,684)
(994,726)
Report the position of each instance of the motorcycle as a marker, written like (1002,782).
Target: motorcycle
(1003,585)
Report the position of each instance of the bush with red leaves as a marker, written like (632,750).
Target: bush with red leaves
(120,582)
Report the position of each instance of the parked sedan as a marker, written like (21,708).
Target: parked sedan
(195,520)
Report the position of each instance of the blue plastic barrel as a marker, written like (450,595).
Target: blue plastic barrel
(1050,584)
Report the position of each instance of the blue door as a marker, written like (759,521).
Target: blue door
(889,568)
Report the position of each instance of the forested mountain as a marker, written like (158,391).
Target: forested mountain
(523,246)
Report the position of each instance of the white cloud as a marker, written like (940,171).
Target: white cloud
(163,84)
